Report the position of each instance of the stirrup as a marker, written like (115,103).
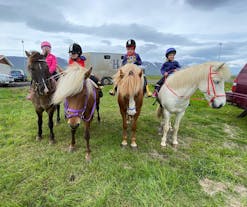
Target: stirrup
(112,92)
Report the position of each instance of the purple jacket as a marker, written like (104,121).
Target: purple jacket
(169,67)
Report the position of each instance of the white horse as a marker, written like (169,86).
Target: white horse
(174,95)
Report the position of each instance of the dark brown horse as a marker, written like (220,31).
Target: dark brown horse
(81,99)
(42,86)
(129,81)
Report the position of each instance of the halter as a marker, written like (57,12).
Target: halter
(209,82)
(69,113)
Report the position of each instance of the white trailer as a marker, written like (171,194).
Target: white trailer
(104,65)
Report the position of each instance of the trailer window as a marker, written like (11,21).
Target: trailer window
(107,57)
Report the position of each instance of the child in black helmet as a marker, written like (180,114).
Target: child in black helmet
(168,68)
(76,56)
(132,57)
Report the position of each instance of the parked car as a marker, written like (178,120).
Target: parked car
(18,75)
(238,95)
(6,79)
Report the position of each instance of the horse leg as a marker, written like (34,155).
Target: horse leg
(165,127)
(72,144)
(133,131)
(40,121)
(87,138)
(58,113)
(50,125)
(97,108)
(176,127)
(124,119)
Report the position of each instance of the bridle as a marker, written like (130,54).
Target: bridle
(210,82)
(43,81)
(69,112)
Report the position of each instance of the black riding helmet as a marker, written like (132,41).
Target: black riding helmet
(75,49)
(131,43)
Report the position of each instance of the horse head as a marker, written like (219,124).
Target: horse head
(213,87)
(39,72)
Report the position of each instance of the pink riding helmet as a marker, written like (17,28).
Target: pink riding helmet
(45,44)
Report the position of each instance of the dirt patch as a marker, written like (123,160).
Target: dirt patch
(157,155)
(230,130)
(241,190)
(212,187)
(230,145)
(232,200)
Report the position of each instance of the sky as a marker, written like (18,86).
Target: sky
(200,30)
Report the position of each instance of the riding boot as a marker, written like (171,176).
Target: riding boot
(112,92)
(148,92)
(156,91)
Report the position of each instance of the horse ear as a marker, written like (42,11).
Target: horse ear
(88,73)
(121,73)
(27,53)
(219,66)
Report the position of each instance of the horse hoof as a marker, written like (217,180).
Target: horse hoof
(175,145)
(71,149)
(38,138)
(134,146)
(88,157)
(163,144)
(51,142)
(123,145)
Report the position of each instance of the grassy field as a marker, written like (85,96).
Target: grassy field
(207,169)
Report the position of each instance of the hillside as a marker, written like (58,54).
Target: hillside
(150,68)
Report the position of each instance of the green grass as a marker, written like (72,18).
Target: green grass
(212,144)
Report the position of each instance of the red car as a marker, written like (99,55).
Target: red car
(238,95)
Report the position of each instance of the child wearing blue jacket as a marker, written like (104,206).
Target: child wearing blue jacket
(168,68)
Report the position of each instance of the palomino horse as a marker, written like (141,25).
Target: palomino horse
(43,87)
(81,98)
(174,95)
(129,81)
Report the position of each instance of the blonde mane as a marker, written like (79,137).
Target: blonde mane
(131,81)
(195,74)
(71,83)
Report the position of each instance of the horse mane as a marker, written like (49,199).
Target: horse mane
(71,83)
(129,82)
(196,74)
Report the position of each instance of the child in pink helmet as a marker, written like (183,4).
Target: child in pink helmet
(50,58)
(51,61)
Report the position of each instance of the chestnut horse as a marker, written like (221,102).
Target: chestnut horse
(129,81)
(81,99)
(43,86)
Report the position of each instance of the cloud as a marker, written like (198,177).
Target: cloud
(36,18)
(208,4)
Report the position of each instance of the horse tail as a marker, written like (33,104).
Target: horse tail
(159,111)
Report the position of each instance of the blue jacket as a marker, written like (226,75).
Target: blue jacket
(169,67)
(135,59)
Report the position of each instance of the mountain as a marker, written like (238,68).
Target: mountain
(152,68)
(19,62)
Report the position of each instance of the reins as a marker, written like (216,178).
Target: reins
(209,82)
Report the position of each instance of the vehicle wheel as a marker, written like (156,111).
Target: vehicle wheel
(106,81)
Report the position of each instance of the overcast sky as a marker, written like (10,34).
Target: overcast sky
(194,27)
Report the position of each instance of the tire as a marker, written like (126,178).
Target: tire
(106,81)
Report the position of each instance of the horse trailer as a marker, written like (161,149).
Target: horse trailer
(104,65)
